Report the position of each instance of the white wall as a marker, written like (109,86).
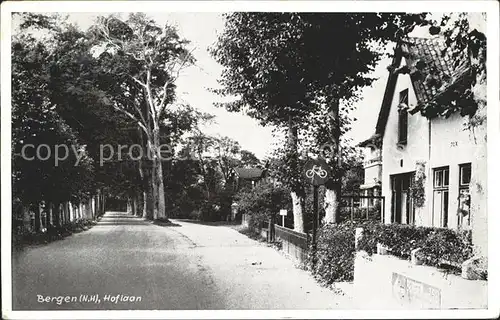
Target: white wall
(372,173)
(415,149)
(377,292)
(450,146)
(439,142)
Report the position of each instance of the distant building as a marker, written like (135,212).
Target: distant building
(372,185)
(421,164)
(249,177)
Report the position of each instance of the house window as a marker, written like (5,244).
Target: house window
(464,195)
(403,117)
(465,173)
(441,197)
(403,209)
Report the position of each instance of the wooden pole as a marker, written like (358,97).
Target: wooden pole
(315,213)
(315,221)
(352,208)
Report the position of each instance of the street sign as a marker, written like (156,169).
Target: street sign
(317,171)
(283,215)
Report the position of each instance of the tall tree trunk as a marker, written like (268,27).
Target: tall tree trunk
(66,211)
(129,206)
(38,218)
(145,188)
(149,204)
(104,202)
(56,215)
(145,204)
(134,204)
(158,176)
(88,209)
(297,190)
(333,186)
(139,203)
(98,204)
(48,210)
(479,174)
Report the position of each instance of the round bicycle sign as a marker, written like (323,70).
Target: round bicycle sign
(317,171)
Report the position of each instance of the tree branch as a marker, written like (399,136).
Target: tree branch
(131,116)
(162,105)
(142,84)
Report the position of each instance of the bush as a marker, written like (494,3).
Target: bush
(334,259)
(445,245)
(439,245)
(262,202)
(53,233)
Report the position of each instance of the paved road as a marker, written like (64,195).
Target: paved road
(190,266)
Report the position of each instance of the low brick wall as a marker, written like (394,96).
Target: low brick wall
(387,282)
(294,243)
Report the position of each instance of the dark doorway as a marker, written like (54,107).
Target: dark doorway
(403,210)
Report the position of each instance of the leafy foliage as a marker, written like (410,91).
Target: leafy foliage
(288,70)
(65,92)
(417,188)
(437,244)
(36,121)
(263,202)
(467,45)
(334,259)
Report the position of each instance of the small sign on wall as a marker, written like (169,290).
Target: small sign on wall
(415,294)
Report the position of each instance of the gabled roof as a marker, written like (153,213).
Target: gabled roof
(249,173)
(373,141)
(425,57)
(436,59)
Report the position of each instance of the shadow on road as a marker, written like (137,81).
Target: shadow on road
(212,223)
(166,223)
(122,218)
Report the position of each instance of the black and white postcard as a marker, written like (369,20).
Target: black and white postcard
(249,159)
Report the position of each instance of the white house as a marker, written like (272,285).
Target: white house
(425,160)
(372,185)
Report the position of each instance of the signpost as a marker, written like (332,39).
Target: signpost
(317,172)
(283,214)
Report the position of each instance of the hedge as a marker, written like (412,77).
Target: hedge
(334,260)
(335,252)
(53,233)
(439,245)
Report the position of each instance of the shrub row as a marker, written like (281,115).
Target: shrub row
(335,252)
(54,233)
(439,245)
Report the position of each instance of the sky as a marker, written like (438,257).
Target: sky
(194,83)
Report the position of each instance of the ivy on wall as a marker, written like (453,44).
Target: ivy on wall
(418,186)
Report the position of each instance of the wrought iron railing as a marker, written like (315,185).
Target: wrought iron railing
(373,160)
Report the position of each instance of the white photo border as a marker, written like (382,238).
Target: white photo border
(493,150)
